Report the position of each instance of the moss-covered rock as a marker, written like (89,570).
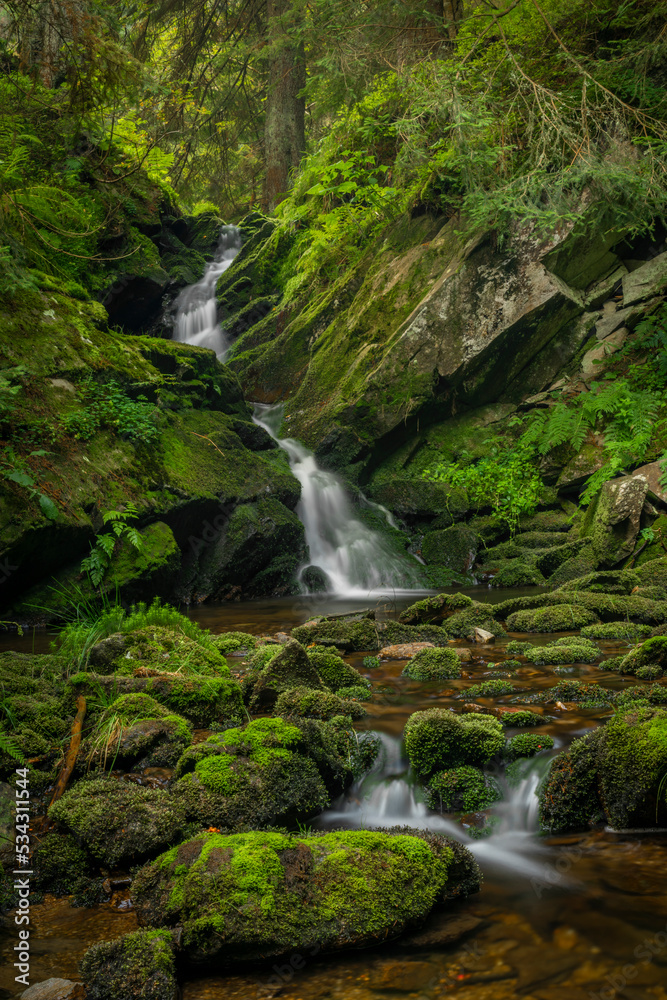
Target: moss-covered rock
(574,567)
(348,635)
(527,745)
(607,607)
(136,730)
(437,739)
(334,672)
(521,719)
(462,624)
(395,633)
(290,667)
(356,692)
(652,652)
(586,695)
(462,789)
(559,618)
(572,649)
(653,573)
(432,610)
(251,897)
(159,648)
(63,868)
(433,665)
(617,770)
(515,647)
(119,822)
(304,702)
(488,689)
(137,966)
(517,574)
(616,630)
(234,642)
(455,548)
(417,500)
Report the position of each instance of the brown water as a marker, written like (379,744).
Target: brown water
(574,918)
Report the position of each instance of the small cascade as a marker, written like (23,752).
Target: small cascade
(352,559)
(385,798)
(196,307)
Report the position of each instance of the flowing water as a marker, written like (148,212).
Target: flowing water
(352,559)
(580,917)
(196,307)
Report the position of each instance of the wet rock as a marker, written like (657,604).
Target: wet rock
(537,965)
(269,893)
(403,650)
(647,280)
(55,989)
(441,930)
(481,635)
(290,668)
(614,522)
(438,739)
(360,634)
(454,548)
(104,653)
(433,664)
(403,977)
(137,966)
(433,609)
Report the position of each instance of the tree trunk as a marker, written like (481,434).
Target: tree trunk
(432,34)
(285,128)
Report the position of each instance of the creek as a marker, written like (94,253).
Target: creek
(558,918)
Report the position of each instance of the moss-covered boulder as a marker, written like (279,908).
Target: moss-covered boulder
(569,649)
(137,966)
(159,648)
(616,630)
(433,665)
(305,703)
(521,719)
(610,581)
(560,618)
(119,822)
(235,642)
(290,667)
(334,672)
(527,745)
(360,634)
(438,739)
(249,778)
(249,897)
(462,624)
(418,500)
(617,771)
(455,548)
(651,653)
(432,610)
(395,633)
(462,789)
(586,695)
(135,730)
(517,574)
(62,867)
(613,521)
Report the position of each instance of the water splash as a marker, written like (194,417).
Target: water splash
(196,306)
(353,559)
(385,797)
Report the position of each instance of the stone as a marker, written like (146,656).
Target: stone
(611,320)
(647,280)
(442,929)
(403,650)
(404,977)
(55,989)
(481,635)
(616,519)
(652,473)
(593,361)
(137,966)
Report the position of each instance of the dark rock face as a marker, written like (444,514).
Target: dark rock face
(331,891)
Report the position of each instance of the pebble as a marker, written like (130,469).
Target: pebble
(55,989)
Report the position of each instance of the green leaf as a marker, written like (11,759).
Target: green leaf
(48,507)
(22,478)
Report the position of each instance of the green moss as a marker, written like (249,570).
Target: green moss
(433,665)
(137,966)
(438,739)
(119,822)
(263,655)
(434,609)
(163,649)
(632,766)
(520,720)
(566,650)
(462,624)
(454,548)
(247,893)
(587,695)
(63,868)
(653,694)
(560,618)
(653,573)
(333,670)
(652,652)
(357,692)
(347,635)
(317,705)
(517,574)
(289,668)
(515,647)
(462,789)
(488,689)
(569,799)
(393,633)
(232,642)
(619,581)
(616,630)
(527,745)
(649,672)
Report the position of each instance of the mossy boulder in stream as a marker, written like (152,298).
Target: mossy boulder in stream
(135,730)
(157,648)
(289,667)
(616,772)
(137,966)
(651,654)
(360,634)
(306,703)
(434,609)
(433,665)
(119,822)
(333,670)
(561,618)
(438,739)
(252,897)
(462,789)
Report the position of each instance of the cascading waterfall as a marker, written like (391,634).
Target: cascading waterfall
(385,798)
(196,307)
(354,559)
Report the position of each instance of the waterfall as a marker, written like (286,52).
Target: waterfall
(386,798)
(196,306)
(349,558)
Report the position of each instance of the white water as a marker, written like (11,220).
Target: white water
(385,798)
(355,560)
(196,307)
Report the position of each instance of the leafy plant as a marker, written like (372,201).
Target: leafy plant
(14,469)
(97,563)
(109,405)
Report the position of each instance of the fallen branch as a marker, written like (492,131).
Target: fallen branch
(72,753)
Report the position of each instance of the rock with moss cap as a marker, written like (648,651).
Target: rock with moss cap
(527,745)
(345,634)
(651,653)
(118,821)
(62,867)
(616,630)
(517,574)
(462,789)
(462,624)
(290,667)
(616,771)
(306,703)
(586,695)
(561,618)
(438,739)
(334,672)
(255,896)
(135,730)
(250,777)
(521,719)
(432,610)
(395,633)
(653,573)
(433,665)
(235,642)
(159,648)
(137,966)
(568,649)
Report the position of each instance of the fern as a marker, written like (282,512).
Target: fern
(9,746)
(97,563)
